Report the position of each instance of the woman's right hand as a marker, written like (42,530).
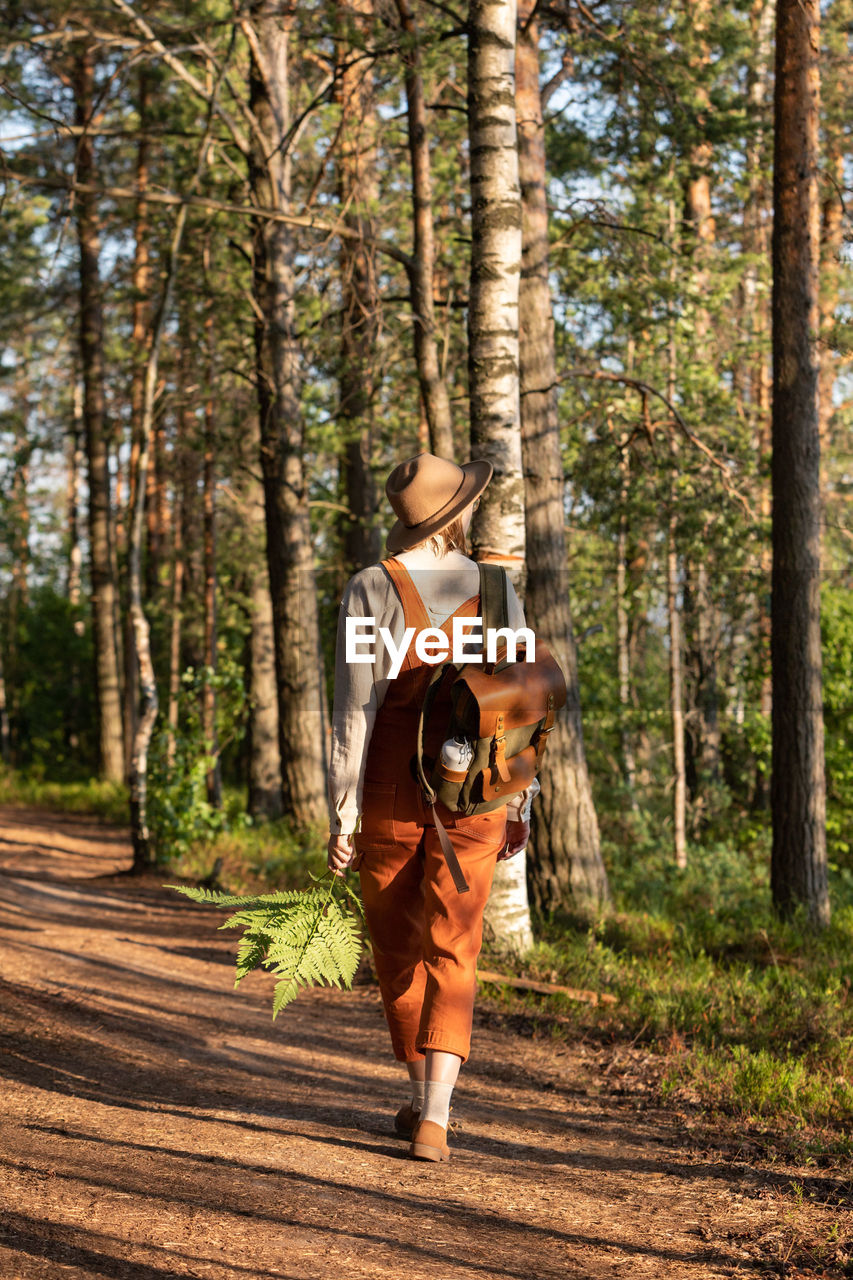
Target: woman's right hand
(341,853)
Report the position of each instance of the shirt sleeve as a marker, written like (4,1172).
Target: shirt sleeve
(353,715)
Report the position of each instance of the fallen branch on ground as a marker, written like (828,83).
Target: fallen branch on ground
(546,988)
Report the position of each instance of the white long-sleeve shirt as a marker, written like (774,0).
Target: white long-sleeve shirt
(443,585)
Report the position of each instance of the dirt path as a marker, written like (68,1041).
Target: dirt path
(156,1123)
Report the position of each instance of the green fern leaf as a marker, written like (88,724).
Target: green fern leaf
(308,937)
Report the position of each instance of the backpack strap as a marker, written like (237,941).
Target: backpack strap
(494,605)
(444,840)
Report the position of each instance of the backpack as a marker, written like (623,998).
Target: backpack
(504,709)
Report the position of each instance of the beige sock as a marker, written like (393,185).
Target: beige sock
(437,1102)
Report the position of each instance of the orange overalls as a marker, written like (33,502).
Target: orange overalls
(426,935)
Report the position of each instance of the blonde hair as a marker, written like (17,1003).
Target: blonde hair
(452,538)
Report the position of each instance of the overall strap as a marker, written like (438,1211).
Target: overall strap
(414,610)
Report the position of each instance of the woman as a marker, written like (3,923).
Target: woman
(426,935)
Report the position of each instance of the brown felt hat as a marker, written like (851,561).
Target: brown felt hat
(428,493)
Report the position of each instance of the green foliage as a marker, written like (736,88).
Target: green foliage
(306,937)
(93,795)
(752,1083)
(837,628)
(48,669)
(180,815)
(756,1011)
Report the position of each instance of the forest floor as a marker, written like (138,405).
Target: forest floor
(156,1123)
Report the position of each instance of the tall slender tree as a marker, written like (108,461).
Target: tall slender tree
(798,786)
(498,531)
(358,193)
(567,857)
(289,545)
(104,596)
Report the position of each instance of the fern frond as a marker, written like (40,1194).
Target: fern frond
(308,937)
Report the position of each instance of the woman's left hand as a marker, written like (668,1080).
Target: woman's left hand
(340,854)
(517,835)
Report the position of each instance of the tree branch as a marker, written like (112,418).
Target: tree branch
(213,206)
(600,375)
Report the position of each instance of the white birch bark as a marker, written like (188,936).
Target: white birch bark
(498,533)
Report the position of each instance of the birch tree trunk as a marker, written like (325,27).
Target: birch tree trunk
(798,786)
(498,529)
(289,547)
(434,396)
(101,533)
(566,862)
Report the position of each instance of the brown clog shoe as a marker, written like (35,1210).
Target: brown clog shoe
(405,1121)
(429,1142)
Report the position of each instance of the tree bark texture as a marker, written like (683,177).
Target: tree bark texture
(75,466)
(676,698)
(498,528)
(359,193)
(566,861)
(623,634)
(140,335)
(289,548)
(798,788)
(434,397)
(263,756)
(101,534)
(214,775)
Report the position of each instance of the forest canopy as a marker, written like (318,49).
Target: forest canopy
(237,289)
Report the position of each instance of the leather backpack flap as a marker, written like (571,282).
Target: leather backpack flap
(522,693)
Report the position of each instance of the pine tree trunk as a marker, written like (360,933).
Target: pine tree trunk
(798,787)
(5,734)
(214,775)
(756,323)
(175,623)
(140,335)
(264,760)
(566,857)
(498,529)
(676,699)
(434,397)
(75,466)
(623,640)
(101,536)
(289,544)
(359,192)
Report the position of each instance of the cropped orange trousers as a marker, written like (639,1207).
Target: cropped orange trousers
(426,935)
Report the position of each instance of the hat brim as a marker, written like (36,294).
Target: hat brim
(477,475)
